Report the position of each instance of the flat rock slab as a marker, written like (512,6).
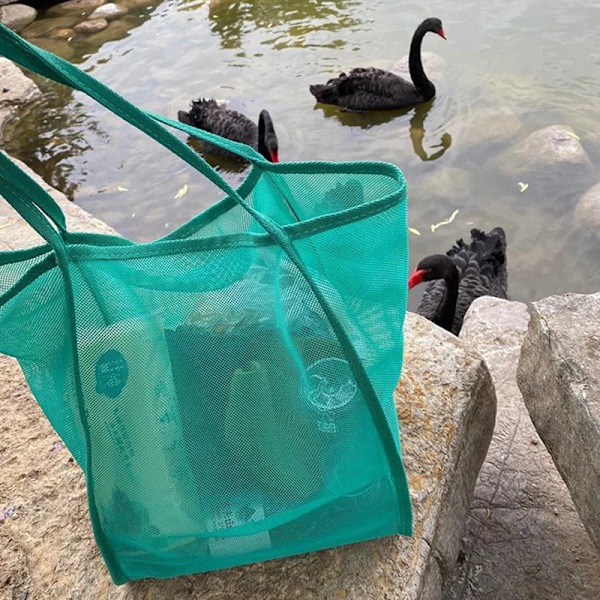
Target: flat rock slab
(524,539)
(559,376)
(446,405)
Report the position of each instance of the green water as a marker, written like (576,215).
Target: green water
(525,64)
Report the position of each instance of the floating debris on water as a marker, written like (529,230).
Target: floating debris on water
(446,222)
(182,192)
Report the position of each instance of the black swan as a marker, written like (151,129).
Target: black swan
(210,116)
(376,89)
(467,271)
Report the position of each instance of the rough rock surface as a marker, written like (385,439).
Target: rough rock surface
(559,376)
(524,539)
(446,404)
(17,16)
(553,146)
(16,90)
(587,211)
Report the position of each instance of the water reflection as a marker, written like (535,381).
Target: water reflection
(417,135)
(370,119)
(55,134)
(293,23)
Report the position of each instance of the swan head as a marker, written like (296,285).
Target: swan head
(268,145)
(434,25)
(436,266)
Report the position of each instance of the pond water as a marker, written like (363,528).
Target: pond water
(509,68)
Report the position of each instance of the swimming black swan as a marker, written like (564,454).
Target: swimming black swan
(208,115)
(376,89)
(467,271)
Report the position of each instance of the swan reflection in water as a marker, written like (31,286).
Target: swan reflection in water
(416,126)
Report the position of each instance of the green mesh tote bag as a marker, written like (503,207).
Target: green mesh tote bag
(227,389)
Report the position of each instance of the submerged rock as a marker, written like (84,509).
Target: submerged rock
(485,125)
(559,377)
(587,211)
(556,146)
(91,26)
(60,47)
(17,16)
(433,64)
(46,27)
(449,183)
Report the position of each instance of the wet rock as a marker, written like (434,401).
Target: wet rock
(91,26)
(46,27)
(556,146)
(587,211)
(16,91)
(559,377)
(433,64)
(78,7)
(109,12)
(519,491)
(485,125)
(17,16)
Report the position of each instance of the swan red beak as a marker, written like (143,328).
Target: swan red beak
(441,33)
(274,156)
(416,278)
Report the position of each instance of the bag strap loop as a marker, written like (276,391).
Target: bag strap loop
(49,65)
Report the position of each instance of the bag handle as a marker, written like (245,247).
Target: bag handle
(18,189)
(49,65)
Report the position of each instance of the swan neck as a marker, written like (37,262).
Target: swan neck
(446,319)
(415,66)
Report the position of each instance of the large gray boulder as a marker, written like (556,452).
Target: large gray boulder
(446,405)
(559,376)
(16,91)
(524,536)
